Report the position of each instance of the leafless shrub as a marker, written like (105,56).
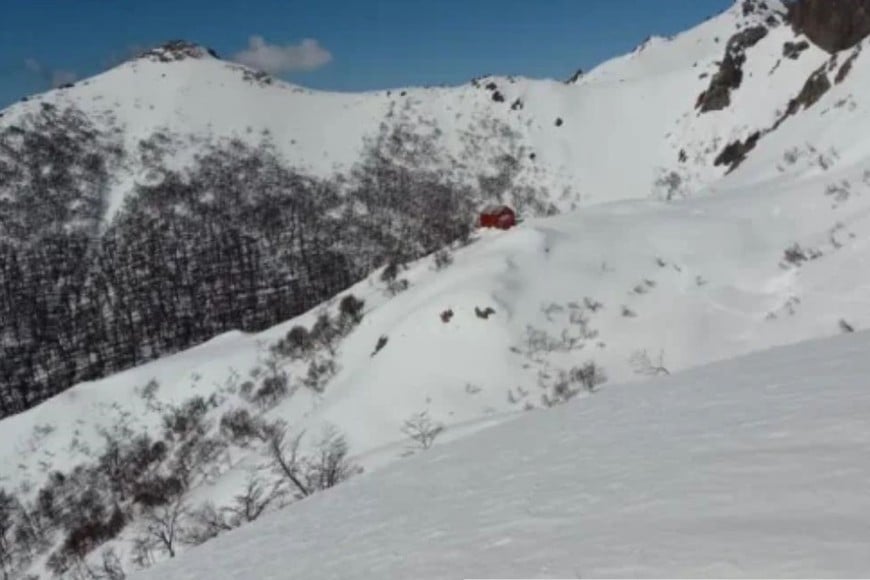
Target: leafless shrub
(839,191)
(327,466)
(422,430)
(590,375)
(274,384)
(209,521)
(239,427)
(795,255)
(350,313)
(320,371)
(643,364)
(442,259)
(390,276)
(110,566)
(163,527)
(592,305)
(669,185)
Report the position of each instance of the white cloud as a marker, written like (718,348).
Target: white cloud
(53,77)
(275,59)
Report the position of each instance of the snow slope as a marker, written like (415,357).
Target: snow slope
(693,282)
(748,468)
(699,280)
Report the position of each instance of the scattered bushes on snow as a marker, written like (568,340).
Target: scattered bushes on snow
(422,430)
(239,428)
(328,464)
(643,364)
(390,276)
(795,255)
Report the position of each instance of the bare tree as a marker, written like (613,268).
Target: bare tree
(643,364)
(283,452)
(330,464)
(111,567)
(422,430)
(163,526)
(253,500)
(208,521)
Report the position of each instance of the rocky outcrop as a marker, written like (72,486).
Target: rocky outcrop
(833,25)
(793,50)
(814,89)
(730,74)
(735,153)
(176,50)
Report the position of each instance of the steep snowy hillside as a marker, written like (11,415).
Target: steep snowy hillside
(752,467)
(524,319)
(118,193)
(723,177)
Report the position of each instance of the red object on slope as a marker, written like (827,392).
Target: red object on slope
(498,216)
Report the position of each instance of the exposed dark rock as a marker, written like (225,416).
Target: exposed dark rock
(257,77)
(814,89)
(498,97)
(753,6)
(730,74)
(833,25)
(847,67)
(517,105)
(176,50)
(735,153)
(793,50)
(575,77)
(559,122)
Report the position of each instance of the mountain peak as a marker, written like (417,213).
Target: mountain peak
(177,50)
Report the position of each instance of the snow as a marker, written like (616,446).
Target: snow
(624,122)
(754,467)
(749,467)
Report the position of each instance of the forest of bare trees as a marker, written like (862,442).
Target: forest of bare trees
(237,241)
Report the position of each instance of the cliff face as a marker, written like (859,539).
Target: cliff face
(833,25)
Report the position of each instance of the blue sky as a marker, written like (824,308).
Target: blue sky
(354,44)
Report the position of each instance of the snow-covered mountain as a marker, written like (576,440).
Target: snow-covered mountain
(712,198)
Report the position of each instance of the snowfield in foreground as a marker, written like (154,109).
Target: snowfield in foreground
(751,467)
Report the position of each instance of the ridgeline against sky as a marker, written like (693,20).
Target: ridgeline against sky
(340,45)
